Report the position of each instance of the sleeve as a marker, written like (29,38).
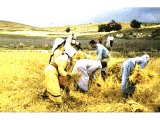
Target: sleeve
(108,39)
(143,64)
(99,53)
(62,64)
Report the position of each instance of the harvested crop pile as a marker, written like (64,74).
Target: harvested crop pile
(114,71)
(139,76)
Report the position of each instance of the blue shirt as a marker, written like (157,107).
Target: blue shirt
(102,51)
(127,68)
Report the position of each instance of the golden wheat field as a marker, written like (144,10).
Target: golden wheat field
(21,80)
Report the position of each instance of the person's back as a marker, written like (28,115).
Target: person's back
(133,61)
(58,52)
(127,68)
(86,63)
(102,51)
(85,68)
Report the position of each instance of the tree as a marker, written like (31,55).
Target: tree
(102,28)
(135,24)
(68,29)
(111,26)
(114,26)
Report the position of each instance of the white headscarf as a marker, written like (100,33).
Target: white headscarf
(146,57)
(70,51)
(57,42)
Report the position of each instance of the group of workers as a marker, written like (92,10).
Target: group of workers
(109,41)
(58,76)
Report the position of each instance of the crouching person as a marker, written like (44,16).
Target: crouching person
(102,54)
(85,68)
(56,77)
(128,88)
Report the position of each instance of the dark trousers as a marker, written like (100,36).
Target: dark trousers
(111,43)
(131,89)
(103,74)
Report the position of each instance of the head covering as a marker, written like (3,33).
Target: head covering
(92,42)
(68,43)
(146,57)
(70,51)
(57,42)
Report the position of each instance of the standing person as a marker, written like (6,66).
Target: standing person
(69,42)
(56,76)
(74,37)
(127,68)
(110,40)
(85,68)
(102,55)
(100,39)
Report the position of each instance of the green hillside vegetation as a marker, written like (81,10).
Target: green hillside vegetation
(79,29)
(19,36)
(13,26)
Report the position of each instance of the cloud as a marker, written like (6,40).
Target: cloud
(66,12)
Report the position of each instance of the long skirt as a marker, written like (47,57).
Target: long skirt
(52,84)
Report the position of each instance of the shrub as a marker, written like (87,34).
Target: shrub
(156,33)
(68,29)
(135,24)
(111,26)
(102,28)
(114,26)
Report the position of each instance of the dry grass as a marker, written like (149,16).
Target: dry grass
(21,77)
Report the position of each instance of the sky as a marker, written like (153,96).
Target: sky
(43,13)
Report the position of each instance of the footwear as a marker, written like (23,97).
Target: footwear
(43,95)
(55,99)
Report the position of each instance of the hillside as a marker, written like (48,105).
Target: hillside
(80,28)
(83,28)
(19,36)
(13,26)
